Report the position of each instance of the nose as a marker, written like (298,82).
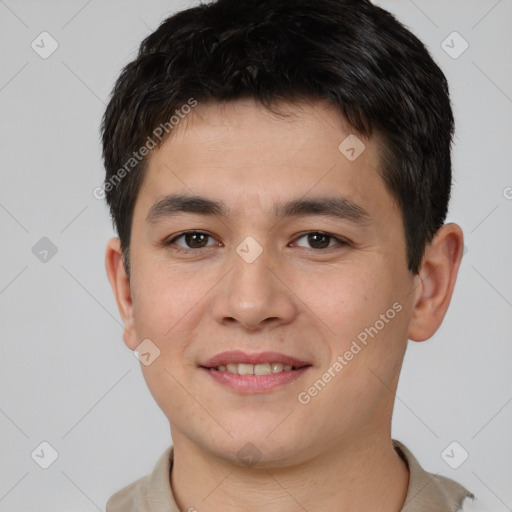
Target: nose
(254,295)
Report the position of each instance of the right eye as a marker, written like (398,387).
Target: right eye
(192,240)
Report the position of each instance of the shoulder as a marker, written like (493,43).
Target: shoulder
(428,492)
(128,497)
(474,505)
(151,493)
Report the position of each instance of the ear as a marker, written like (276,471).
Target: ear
(120,283)
(435,281)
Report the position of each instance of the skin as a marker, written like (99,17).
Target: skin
(335,452)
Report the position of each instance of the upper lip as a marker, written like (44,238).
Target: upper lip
(237,356)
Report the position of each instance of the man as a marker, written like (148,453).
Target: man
(279,173)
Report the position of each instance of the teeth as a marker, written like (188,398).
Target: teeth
(277,367)
(254,369)
(262,369)
(246,369)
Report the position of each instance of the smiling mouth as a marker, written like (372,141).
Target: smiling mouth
(255,369)
(246,378)
(249,373)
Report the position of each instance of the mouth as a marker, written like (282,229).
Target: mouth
(255,369)
(254,373)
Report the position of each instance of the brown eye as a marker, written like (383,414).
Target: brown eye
(196,240)
(193,240)
(318,240)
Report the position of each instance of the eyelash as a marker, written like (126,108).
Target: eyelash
(340,241)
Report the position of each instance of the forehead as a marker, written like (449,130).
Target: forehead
(238,151)
(245,125)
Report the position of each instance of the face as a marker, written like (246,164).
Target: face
(292,254)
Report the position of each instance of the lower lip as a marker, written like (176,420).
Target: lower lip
(255,383)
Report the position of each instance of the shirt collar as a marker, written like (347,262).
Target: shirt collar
(426,492)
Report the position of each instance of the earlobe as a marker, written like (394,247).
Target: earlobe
(120,283)
(436,281)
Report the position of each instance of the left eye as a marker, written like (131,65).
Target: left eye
(319,240)
(193,240)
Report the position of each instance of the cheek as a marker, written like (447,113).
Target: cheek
(164,299)
(347,300)
(366,342)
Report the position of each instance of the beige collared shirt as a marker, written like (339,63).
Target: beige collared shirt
(426,492)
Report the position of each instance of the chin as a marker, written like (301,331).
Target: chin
(258,447)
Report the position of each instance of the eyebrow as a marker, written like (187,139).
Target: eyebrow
(337,207)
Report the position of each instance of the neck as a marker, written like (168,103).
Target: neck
(364,475)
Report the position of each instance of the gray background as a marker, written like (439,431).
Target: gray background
(66,377)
